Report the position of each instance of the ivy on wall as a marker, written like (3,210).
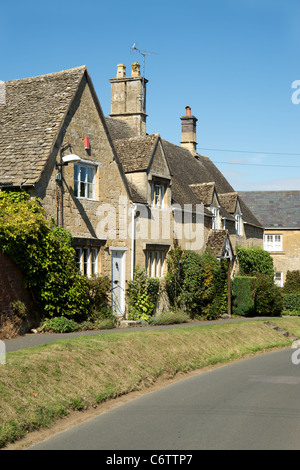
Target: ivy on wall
(44,253)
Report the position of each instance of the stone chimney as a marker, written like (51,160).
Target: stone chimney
(188,131)
(128,97)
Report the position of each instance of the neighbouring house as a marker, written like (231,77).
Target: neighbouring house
(279,213)
(127,197)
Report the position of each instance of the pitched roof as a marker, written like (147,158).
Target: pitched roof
(135,153)
(30,120)
(216,242)
(204,192)
(188,170)
(274,209)
(229,201)
(119,129)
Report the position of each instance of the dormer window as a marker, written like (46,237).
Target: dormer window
(157,194)
(238,224)
(215,219)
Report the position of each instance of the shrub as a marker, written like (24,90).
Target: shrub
(268,297)
(254,261)
(44,254)
(243,295)
(292,282)
(170,317)
(59,325)
(292,313)
(153,289)
(291,301)
(141,295)
(20,308)
(106,323)
(99,288)
(197,283)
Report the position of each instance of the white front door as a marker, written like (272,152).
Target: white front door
(118,281)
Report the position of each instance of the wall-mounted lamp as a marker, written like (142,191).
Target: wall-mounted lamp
(71,158)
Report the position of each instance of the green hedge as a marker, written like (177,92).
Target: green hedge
(292,282)
(243,293)
(256,295)
(291,301)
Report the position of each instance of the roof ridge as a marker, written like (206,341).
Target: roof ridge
(138,137)
(52,74)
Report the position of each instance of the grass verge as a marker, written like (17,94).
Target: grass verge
(41,384)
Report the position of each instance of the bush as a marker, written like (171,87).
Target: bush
(243,295)
(170,317)
(142,294)
(254,261)
(106,323)
(44,254)
(98,288)
(59,325)
(291,301)
(268,297)
(292,282)
(197,283)
(292,313)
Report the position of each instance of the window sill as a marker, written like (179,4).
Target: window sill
(85,198)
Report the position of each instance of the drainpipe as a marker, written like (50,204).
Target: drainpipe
(133,214)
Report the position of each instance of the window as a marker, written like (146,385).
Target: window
(273,242)
(84,181)
(238,224)
(278,279)
(215,220)
(155,263)
(157,194)
(86,259)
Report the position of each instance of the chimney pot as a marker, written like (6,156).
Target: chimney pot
(121,71)
(135,69)
(188,110)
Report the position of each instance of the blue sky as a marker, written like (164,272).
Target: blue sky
(232,61)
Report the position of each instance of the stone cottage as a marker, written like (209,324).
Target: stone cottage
(127,197)
(279,213)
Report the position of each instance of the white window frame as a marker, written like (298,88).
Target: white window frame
(87,260)
(215,224)
(238,224)
(273,242)
(278,278)
(155,262)
(157,194)
(86,184)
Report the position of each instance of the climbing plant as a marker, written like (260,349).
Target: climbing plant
(44,253)
(197,283)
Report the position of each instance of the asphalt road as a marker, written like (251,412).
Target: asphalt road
(252,404)
(30,340)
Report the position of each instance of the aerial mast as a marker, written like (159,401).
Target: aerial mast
(143,53)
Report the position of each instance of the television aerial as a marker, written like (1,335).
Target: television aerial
(143,53)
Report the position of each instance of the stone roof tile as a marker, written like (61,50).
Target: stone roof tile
(30,120)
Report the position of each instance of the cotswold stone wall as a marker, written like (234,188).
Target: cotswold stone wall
(289,258)
(87,218)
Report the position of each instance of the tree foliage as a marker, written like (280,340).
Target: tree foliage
(197,282)
(254,260)
(44,253)
(292,282)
